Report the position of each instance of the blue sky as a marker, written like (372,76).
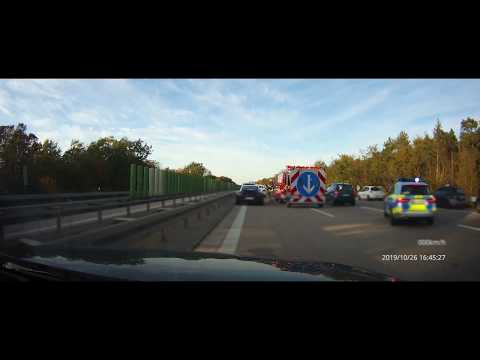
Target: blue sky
(242,128)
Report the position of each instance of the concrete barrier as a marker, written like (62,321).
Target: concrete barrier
(179,229)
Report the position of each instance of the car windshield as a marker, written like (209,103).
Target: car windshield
(241,179)
(415,190)
(344,187)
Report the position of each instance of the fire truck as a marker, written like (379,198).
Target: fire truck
(281,187)
(301,185)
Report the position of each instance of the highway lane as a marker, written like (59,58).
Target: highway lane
(353,235)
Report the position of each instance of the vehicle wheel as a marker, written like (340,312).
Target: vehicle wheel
(385,212)
(368,197)
(319,205)
(237,202)
(430,221)
(262,202)
(353,203)
(393,221)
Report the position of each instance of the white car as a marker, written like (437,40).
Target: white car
(262,188)
(372,193)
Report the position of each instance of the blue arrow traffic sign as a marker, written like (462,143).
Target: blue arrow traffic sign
(308,183)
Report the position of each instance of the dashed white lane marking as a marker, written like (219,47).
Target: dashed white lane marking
(469,227)
(371,208)
(324,213)
(230,243)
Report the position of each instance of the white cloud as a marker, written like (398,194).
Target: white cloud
(189,133)
(51,88)
(362,107)
(320,127)
(5,103)
(47,124)
(218,99)
(63,134)
(274,94)
(90,117)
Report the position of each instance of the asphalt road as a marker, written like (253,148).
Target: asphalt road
(353,235)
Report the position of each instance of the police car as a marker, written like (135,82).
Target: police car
(410,199)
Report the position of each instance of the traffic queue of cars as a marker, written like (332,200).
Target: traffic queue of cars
(411,198)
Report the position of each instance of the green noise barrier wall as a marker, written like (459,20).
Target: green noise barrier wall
(145,182)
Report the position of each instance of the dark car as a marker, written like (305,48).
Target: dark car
(450,197)
(340,193)
(250,194)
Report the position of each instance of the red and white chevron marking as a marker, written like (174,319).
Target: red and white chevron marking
(296,197)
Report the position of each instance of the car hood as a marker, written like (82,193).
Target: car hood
(175,266)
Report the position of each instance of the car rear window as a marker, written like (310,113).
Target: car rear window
(375,188)
(344,187)
(366,188)
(460,191)
(249,188)
(415,190)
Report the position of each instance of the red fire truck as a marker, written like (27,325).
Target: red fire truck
(301,185)
(281,187)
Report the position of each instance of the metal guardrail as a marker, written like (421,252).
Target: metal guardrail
(22,214)
(23,199)
(174,226)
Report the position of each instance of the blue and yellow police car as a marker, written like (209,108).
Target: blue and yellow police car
(411,198)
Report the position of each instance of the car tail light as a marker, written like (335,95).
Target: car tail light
(403,200)
(336,193)
(432,200)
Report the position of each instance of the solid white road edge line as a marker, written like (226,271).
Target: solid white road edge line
(230,243)
(323,212)
(469,227)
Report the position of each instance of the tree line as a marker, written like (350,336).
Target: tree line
(440,159)
(198,169)
(82,167)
